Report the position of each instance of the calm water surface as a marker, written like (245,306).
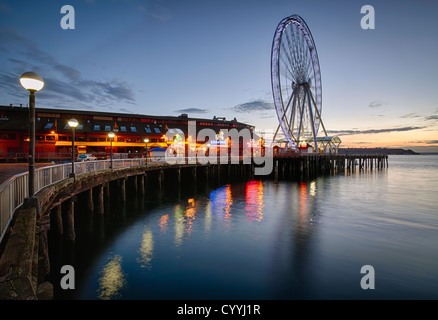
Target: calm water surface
(267,240)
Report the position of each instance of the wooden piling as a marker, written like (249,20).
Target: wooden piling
(90,202)
(142,188)
(123,189)
(58,219)
(100,200)
(70,220)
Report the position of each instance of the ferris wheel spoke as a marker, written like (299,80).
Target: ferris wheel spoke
(290,36)
(286,47)
(293,111)
(287,59)
(287,72)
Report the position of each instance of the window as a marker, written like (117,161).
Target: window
(48,125)
(148,130)
(50,138)
(157,130)
(96,127)
(107,128)
(7,136)
(62,138)
(133,129)
(92,139)
(123,129)
(79,127)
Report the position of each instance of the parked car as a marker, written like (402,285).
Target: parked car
(86,157)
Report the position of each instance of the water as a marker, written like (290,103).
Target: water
(267,240)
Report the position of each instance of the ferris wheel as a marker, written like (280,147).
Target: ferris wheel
(296,82)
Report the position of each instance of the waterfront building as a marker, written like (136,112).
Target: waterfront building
(54,136)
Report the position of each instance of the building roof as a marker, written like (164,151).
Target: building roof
(16,118)
(328,139)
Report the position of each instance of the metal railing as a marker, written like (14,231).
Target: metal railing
(15,190)
(62,156)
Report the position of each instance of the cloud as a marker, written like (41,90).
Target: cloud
(410,115)
(425,141)
(376,104)
(373,131)
(155,9)
(67,71)
(192,110)
(64,85)
(113,90)
(256,105)
(433,117)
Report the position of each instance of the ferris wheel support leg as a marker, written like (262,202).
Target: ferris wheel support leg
(301,119)
(284,116)
(292,116)
(319,115)
(332,148)
(275,135)
(311,117)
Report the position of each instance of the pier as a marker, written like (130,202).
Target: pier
(312,165)
(24,260)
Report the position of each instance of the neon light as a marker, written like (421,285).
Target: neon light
(220,140)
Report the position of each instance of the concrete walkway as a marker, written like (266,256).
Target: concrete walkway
(8,170)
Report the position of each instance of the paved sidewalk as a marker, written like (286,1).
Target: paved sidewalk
(8,170)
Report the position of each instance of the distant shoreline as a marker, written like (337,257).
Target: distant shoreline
(385,151)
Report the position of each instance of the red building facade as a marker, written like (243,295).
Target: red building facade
(53,135)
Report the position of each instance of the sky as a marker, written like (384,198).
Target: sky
(212,58)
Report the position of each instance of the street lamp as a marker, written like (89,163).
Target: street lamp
(146,140)
(111,136)
(32,82)
(73,123)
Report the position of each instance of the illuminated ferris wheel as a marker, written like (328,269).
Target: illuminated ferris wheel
(296,82)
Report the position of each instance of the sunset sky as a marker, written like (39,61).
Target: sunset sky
(212,58)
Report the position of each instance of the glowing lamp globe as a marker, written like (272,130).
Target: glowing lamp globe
(31,81)
(73,123)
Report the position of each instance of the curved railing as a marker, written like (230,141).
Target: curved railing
(15,190)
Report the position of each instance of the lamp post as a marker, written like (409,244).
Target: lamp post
(146,140)
(111,136)
(73,123)
(32,82)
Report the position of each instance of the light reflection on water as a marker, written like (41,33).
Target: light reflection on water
(112,279)
(285,240)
